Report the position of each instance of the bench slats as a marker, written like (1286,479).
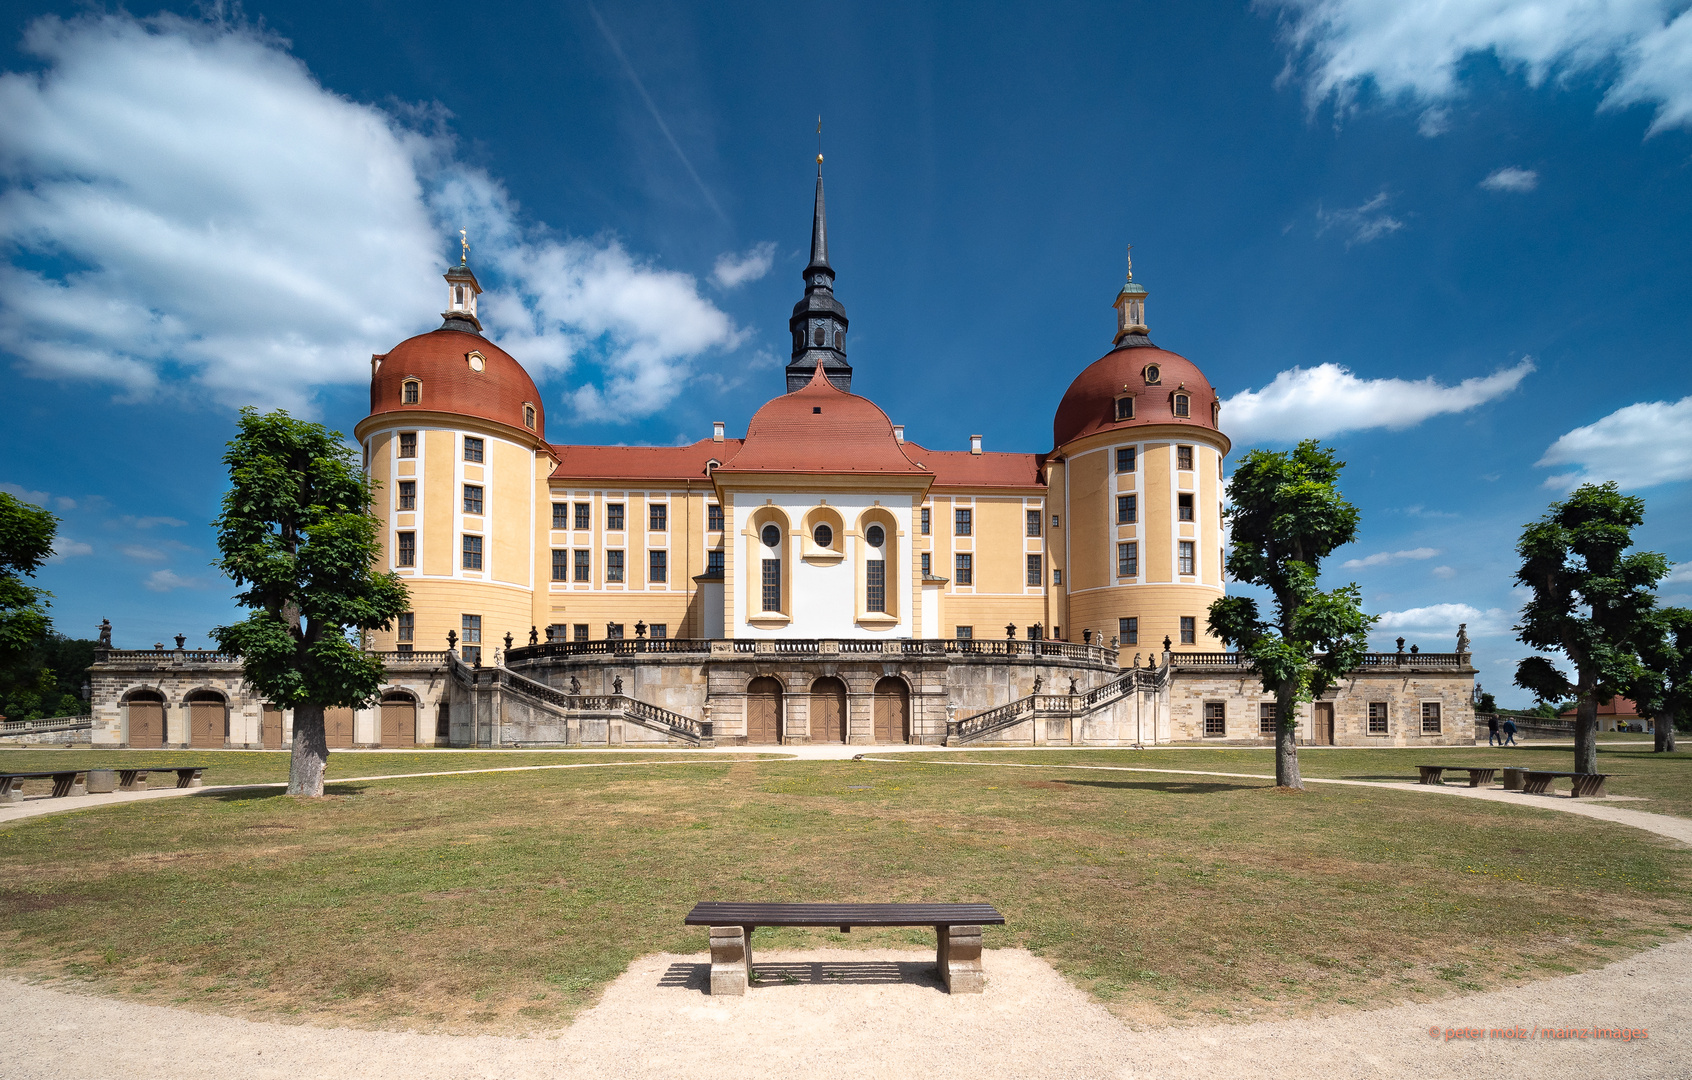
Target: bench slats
(718,913)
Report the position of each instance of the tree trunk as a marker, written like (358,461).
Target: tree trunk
(1286,750)
(311,752)
(1586,734)
(1664,723)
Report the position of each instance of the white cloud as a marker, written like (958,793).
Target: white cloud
(1433,123)
(1639,446)
(1414,51)
(1678,572)
(1386,558)
(1328,399)
(38,498)
(166,580)
(215,223)
(1444,618)
(1360,224)
(732,270)
(1510,178)
(65,548)
(1443,573)
(143,554)
(151,522)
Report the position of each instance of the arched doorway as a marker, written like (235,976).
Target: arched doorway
(763,710)
(399,719)
(892,711)
(828,711)
(338,727)
(208,720)
(270,727)
(146,709)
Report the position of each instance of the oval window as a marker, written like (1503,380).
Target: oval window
(771,536)
(476,361)
(823,535)
(1153,375)
(874,536)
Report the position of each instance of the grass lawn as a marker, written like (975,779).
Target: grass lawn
(505,901)
(1663,780)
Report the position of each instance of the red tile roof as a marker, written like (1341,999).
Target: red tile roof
(1089,405)
(821,429)
(440,362)
(962,469)
(607,463)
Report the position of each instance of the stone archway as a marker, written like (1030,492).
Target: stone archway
(146,713)
(828,710)
(208,720)
(399,719)
(763,710)
(892,711)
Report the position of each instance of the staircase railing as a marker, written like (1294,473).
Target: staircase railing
(1074,706)
(643,713)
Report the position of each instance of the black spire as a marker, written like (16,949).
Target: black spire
(818,324)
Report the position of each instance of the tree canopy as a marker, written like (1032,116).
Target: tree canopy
(1286,515)
(26,540)
(1663,690)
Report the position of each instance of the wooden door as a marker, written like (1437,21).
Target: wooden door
(892,711)
(270,728)
(828,711)
(763,711)
(399,723)
(208,724)
(147,724)
(1323,733)
(338,728)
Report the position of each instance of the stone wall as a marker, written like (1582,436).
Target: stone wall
(1402,689)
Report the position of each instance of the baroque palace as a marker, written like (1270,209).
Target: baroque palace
(823,578)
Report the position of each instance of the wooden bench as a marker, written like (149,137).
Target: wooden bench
(1581,785)
(75,781)
(1479,775)
(957,931)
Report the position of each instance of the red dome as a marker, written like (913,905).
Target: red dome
(1089,405)
(820,429)
(440,362)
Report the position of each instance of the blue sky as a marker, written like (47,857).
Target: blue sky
(1452,241)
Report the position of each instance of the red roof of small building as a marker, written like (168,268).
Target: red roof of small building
(440,362)
(642,462)
(962,469)
(821,429)
(1089,405)
(1617,706)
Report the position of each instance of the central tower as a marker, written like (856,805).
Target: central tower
(818,324)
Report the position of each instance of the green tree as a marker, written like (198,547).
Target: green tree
(1487,703)
(1664,690)
(1287,515)
(26,540)
(297,536)
(1591,596)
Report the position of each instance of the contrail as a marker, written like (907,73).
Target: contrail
(628,69)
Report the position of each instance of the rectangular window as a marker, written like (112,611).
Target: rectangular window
(560,564)
(927,521)
(964,633)
(658,566)
(560,515)
(1126,459)
(1184,458)
(963,521)
(470,632)
(1036,571)
(1033,528)
(1184,507)
(614,631)
(1057,576)
(1215,719)
(772,585)
(714,564)
(927,564)
(1377,718)
(1186,556)
(580,631)
(875,585)
(407,626)
(964,573)
(613,517)
(613,566)
(1430,718)
(405,553)
(1128,559)
(1128,630)
(584,515)
(408,444)
(1055,521)
(472,553)
(408,494)
(1189,630)
(1266,718)
(1127,509)
(472,498)
(1125,408)
(714,517)
(658,517)
(659,631)
(584,566)
(472,448)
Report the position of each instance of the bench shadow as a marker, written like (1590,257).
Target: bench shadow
(1172,787)
(697,977)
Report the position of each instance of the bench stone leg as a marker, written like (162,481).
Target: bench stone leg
(10,790)
(1513,779)
(101,781)
(1587,787)
(186,778)
(132,780)
(958,956)
(731,960)
(1431,775)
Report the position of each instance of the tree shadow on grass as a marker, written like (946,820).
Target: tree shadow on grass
(1171,787)
(255,794)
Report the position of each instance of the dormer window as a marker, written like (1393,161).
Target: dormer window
(1183,405)
(477,361)
(1125,408)
(1215,414)
(1153,375)
(411,392)
(528,416)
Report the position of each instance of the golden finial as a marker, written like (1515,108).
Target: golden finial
(464,256)
(1130,262)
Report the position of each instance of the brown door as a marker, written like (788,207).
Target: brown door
(399,723)
(270,728)
(208,724)
(763,711)
(892,711)
(338,728)
(146,724)
(1324,725)
(828,711)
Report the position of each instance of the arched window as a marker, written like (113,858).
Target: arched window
(411,392)
(528,416)
(770,537)
(1183,405)
(1125,408)
(875,569)
(817,336)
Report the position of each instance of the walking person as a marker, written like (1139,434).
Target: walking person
(1492,730)
(1509,732)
